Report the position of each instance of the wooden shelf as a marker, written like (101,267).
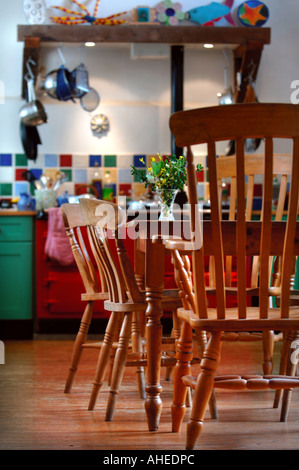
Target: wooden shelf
(145,33)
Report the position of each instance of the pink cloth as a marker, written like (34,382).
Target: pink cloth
(57,246)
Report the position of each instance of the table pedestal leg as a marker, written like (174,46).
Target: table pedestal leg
(153,403)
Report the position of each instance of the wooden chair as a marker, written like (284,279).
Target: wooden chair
(254,171)
(264,238)
(102,219)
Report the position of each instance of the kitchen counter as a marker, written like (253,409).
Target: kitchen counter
(13,211)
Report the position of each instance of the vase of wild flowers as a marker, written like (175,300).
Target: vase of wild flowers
(165,177)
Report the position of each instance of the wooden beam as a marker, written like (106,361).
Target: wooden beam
(145,33)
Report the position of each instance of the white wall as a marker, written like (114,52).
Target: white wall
(135,94)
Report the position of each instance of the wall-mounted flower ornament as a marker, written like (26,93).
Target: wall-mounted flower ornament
(169,13)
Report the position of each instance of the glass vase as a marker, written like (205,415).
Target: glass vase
(167,197)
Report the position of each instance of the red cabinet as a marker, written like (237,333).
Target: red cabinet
(58,288)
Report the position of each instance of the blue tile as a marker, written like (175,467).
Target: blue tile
(5,159)
(21,187)
(51,160)
(95,159)
(257,204)
(124,175)
(79,175)
(37,172)
(136,161)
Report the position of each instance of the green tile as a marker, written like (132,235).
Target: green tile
(110,160)
(68,173)
(5,189)
(21,159)
(136,180)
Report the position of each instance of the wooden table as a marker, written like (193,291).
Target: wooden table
(149,268)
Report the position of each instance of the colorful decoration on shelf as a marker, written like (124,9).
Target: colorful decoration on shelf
(207,15)
(169,13)
(86,17)
(143,14)
(253,13)
(35,11)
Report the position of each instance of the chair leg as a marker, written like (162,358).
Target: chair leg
(268,346)
(291,371)
(104,358)
(183,367)
(283,366)
(203,389)
(119,365)
(77,350)
(201,340)
(137,348)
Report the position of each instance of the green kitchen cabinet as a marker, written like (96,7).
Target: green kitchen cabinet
(16,272)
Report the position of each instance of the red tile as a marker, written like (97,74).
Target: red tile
(200,176)
(124,189)
(66,160)
(18,174)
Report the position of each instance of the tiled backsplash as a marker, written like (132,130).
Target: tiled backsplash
(113,170)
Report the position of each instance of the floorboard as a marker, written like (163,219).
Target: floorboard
(35,414)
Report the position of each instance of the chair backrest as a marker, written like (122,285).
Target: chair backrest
(237,122)
(103,220)
(254,172)
(75,230)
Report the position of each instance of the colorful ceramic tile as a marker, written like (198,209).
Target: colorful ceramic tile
(65,160)
(124,175)
(6,189)
(21,187)
(51,160)
(125,189)
(253,13)
(81,161)
(257,204)
(19,174)
(95,159)
(7,174)
(109,175)
(5,159)
(67,186)
(80,175)
(69,174)
(37,172)
(110,160)
(110,186)
(124,161)
(38,163)
(138,189)
(258,190)
(21,159)
(139,172)
(200,176)
(137,161)
(94,173)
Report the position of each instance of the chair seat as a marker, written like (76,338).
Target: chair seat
(249,382)
(251,323)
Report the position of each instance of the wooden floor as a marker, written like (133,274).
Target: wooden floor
(36,414)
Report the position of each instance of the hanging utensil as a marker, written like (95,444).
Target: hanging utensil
(32,113)
(90,100)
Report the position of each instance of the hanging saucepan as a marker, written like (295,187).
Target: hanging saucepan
(79,81)
(50,84)
(32,113)
(64,89)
